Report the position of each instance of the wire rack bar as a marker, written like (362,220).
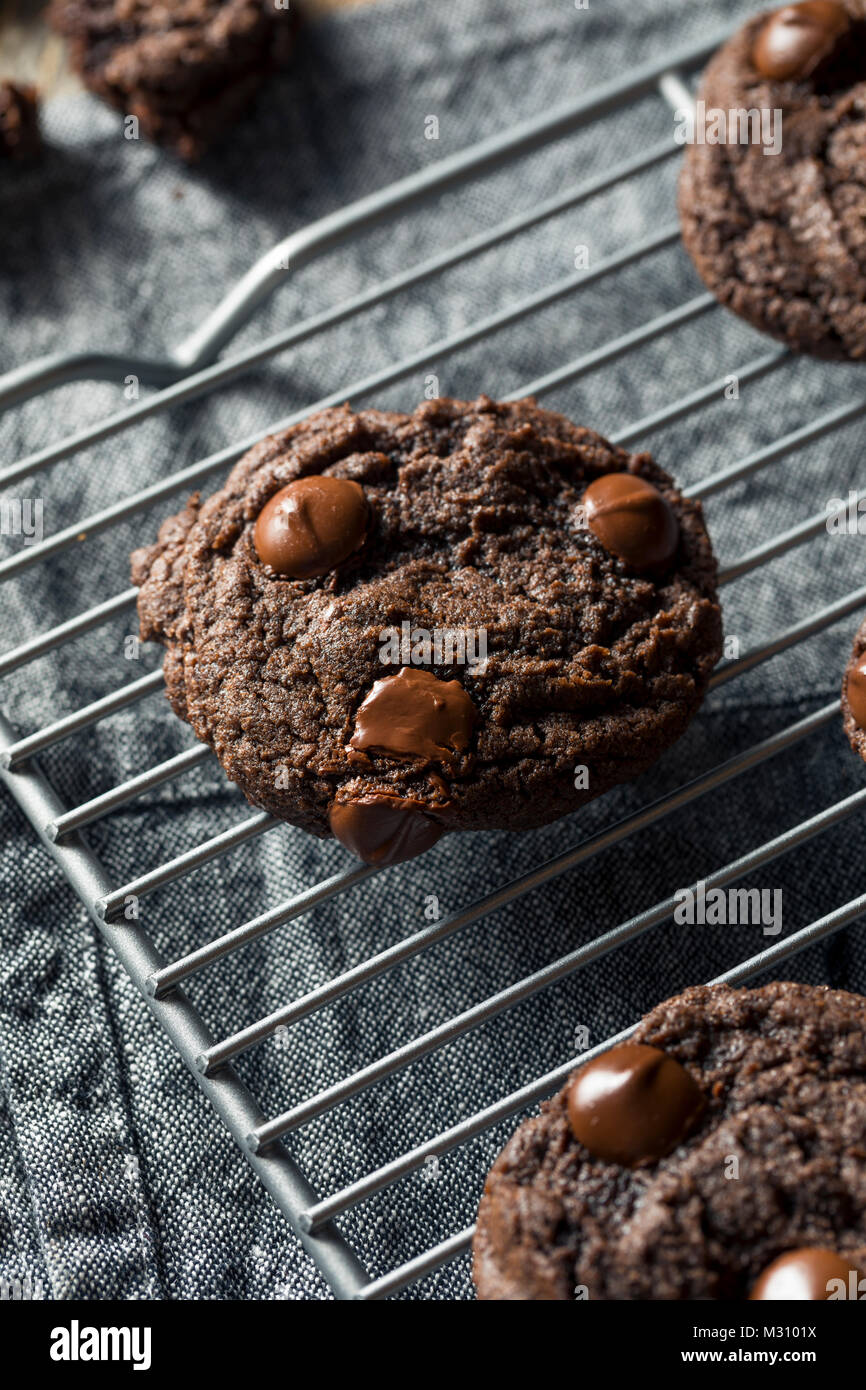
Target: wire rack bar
(808,530)
(482,158)
(455,1135)
(103,612)
(138,690)
(239,937)
(229,1097)
(415,1269)
(64,632)
(57,637)
(109,609)
(664,323)
(481,329)
(456,1245)
(705,395)
(516,993)
(753,370)
(656,328)
(587,849)
(70,724)
(635,926)
(171,975)
(121,795)
(800,632)
(476,332)
(111,906)
(230,369)
(34,742)
(332,230)
(789,444)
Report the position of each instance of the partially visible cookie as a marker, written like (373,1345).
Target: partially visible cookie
(854,694)
(475,616)
(19,121)
(184,70)
(781,238)
(722,1155)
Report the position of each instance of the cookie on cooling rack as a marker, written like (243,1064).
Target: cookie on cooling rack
(19,121)
(781,238)
(854,694)
(718,1154)
(185,71)
(475,616)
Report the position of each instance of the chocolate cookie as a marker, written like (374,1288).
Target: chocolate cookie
(184,70)
(854,694)
(474,616)
(19,121)
(781,237)
(721,1155)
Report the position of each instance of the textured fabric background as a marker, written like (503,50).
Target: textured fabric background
(117,1180)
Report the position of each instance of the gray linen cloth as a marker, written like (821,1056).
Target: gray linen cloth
(117,1179)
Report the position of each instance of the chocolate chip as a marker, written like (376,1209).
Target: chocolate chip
(632,519)
(311,526)
(795,40)
(383,829)
(804,1275)
(632,1104)
(855,689)
(415,715)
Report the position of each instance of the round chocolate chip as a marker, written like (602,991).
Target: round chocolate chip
(855,689)
(632,519)
(632,1104)
(795,40)
(807,1275)
(311,526)
(383,829)
(415,715)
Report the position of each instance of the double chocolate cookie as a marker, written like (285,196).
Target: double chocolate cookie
(780,236)
(854,694)
(19,121)
(475,616)
(185,70)
(719,1154)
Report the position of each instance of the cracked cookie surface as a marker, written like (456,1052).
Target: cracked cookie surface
(775,1162)
(185,70)
(854,694)
(475,527)
(781,238)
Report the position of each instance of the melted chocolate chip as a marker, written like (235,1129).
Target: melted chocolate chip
(632,1104)
(311,526)
(415,715)
(383,829)
(805,1275)
(632,519)
(797,39)
(855,689)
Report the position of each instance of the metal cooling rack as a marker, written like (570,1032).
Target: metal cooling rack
(312,1215)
